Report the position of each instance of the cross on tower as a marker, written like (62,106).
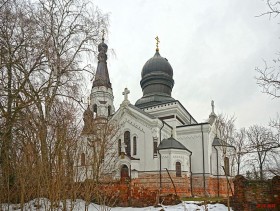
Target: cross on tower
(125,93)
(157,39)
(212,104)
(103,34)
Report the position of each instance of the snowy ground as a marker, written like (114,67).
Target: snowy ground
(44,204)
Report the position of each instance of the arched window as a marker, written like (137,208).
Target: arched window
(127,143)
(178,169)
(109,110)
(119,146)
(155,145)
(226,164)
(94,111)
(83,159)
(134,146)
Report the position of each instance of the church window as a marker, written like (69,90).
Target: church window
(127,143)
(109,110)
(155,148)
(134,146)
(226,165)
(178,169)
(94,111)
(120,146)
(83,159)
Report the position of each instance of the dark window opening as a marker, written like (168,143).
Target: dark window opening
(109,110)
(178,169)
(94,111)
(83,159)
(127,143)
(226,163)
(134,146)
(120,146)
(155,148)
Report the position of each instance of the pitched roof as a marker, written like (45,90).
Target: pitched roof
(141,111)
(171,143)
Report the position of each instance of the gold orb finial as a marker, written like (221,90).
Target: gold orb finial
(157,39)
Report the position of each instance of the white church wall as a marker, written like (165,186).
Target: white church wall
(191,138)
(169,157)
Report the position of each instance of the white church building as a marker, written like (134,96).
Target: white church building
(158,143)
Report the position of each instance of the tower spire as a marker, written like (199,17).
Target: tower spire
(102,75)
(101,97)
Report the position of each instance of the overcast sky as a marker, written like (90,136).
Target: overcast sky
(213,46)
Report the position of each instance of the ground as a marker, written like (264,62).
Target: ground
(80,205)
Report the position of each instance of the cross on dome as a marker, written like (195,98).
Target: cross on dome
(125,93)
(157,39)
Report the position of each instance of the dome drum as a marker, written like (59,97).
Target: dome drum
(160,84)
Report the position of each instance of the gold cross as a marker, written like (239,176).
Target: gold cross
(157,39)
(103,34)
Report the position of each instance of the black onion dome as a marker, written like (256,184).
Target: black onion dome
(157,64)
(157,82)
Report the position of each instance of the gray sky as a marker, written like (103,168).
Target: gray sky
(213,46)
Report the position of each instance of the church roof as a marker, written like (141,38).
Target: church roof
(157,81)
(219,142)
(153,100)
(141,111)
(157,64)
(102,75)
(171,143)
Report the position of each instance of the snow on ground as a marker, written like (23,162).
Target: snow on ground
(43,204)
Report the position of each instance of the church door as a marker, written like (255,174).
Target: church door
(124,172)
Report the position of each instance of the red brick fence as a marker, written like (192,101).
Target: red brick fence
(256,194)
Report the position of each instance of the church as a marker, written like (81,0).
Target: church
(155,142)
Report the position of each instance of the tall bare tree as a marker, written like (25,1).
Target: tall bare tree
(239,142)
(261,144)
(43,48)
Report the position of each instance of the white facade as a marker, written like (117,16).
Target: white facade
(140,131)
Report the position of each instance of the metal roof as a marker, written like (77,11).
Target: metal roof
(171,143)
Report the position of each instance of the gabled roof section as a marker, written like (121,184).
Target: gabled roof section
(141,111)
(135,112)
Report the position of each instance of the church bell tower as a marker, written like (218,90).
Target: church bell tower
(101,97)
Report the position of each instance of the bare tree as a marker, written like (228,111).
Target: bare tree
(269,79)
(239,142)
(43,45)
(261,144)
(225,129)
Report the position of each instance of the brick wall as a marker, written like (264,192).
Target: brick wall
(256,194)
(145,190)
